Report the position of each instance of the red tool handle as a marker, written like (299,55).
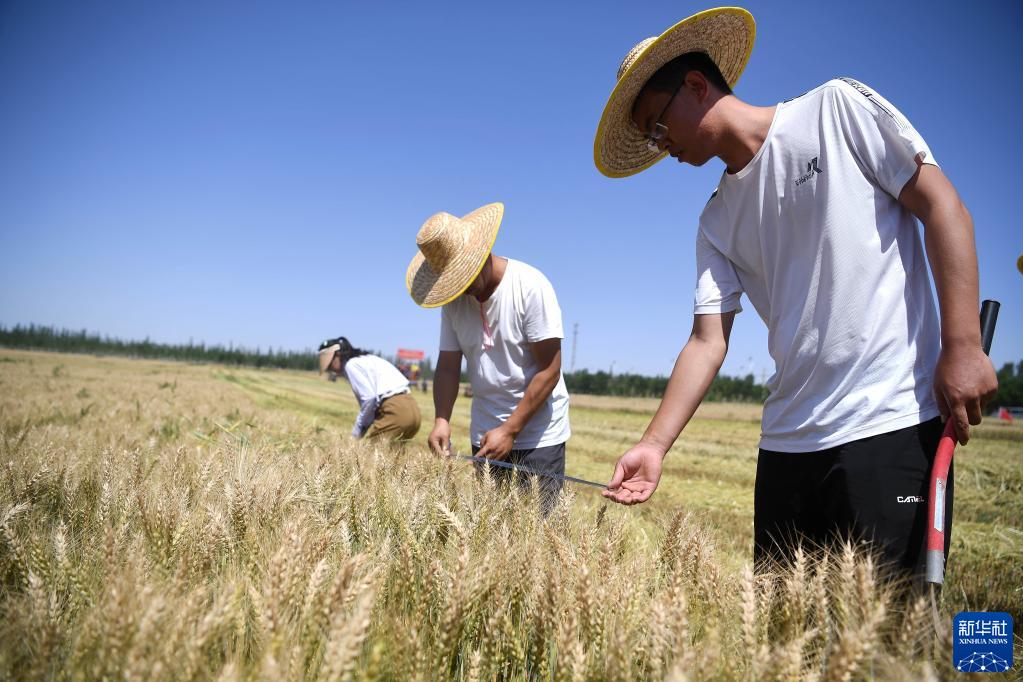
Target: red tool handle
(942,461)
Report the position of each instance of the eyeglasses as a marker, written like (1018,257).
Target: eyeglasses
(660,130)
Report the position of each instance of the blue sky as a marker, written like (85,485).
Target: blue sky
(256,172)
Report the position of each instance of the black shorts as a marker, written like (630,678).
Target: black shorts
(874,489)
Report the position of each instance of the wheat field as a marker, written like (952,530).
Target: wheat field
(175,521)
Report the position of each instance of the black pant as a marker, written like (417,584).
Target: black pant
(548,460)
(874,489)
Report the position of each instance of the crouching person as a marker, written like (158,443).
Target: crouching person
(386,408)
(502,316)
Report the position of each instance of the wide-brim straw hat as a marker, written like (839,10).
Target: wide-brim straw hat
(725,34)
(452,252)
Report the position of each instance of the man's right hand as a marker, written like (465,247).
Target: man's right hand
(440,437)
(639,470)
(964,382)
(636,475)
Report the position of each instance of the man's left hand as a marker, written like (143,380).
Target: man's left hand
(964,382)
(497,443)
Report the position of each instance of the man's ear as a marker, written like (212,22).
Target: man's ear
(697,84)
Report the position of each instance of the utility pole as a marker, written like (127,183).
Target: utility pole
(575,338)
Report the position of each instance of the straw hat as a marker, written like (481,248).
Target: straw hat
(452,252)
(725,34)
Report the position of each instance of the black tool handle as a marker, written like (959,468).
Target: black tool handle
(988,317)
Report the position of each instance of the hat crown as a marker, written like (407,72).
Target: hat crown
(633,55)
(441,238)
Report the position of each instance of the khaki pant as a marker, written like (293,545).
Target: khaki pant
(397,419)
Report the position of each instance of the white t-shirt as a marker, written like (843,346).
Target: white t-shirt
(521,311)
(812,232)
(372,378)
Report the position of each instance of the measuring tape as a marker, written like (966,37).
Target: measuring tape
(527,470)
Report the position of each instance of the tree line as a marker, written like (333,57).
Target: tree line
(1010,386)
(37,337)
(40,337)
(723,389)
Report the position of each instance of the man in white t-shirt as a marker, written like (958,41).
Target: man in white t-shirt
(502,316)
(813,219)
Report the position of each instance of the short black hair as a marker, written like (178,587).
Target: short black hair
(669,77)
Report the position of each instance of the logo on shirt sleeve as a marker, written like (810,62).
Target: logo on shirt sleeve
(879,103)
(811,170)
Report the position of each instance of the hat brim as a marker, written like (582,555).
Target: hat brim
(726,34)
(431,289)
(327,356)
